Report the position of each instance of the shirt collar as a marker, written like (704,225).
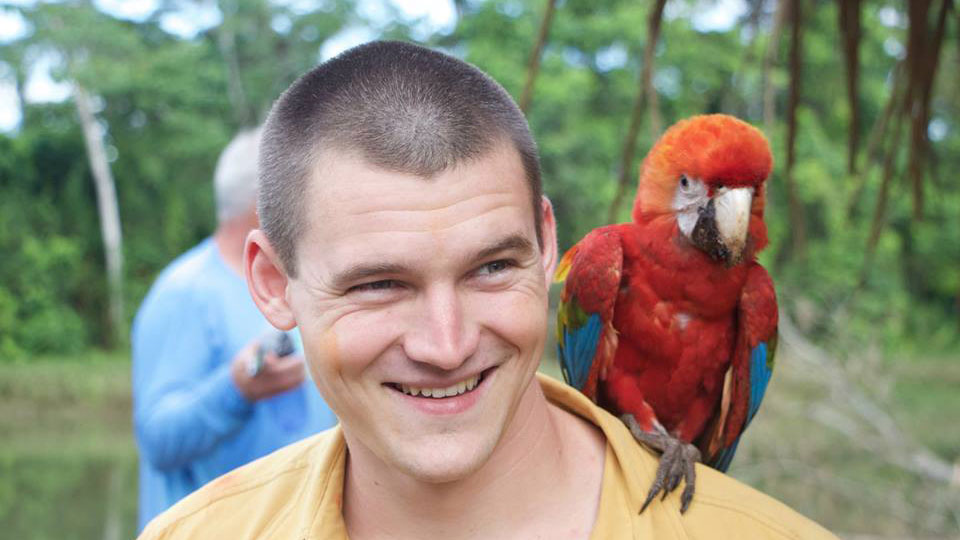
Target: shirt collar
(639,468)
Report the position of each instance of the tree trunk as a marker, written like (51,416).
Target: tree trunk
(798,229)
(849,11)
(773,47)
(923,55)
(227,44)
(649,53)
(877,135)
(630,142)
(749,55)
(15,56)
(880,210)
(533,66)
(107,208)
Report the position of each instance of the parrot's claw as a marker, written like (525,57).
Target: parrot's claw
(676,462)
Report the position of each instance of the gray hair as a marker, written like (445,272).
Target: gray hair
(235,178)
(403,107)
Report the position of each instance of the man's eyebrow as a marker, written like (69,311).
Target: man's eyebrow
(514,242)
(360,272)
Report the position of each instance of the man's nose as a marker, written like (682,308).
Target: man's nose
(441,334)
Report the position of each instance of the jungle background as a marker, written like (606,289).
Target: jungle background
(119,112)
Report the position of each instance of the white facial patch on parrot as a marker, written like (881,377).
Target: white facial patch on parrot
(686,201)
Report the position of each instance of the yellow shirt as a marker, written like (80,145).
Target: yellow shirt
(297,493)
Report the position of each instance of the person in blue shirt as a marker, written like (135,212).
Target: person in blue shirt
(207,399)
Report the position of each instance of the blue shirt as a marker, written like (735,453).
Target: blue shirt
(192,423)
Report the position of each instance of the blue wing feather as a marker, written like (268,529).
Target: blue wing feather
(577,350)
(760,373)
(725,456)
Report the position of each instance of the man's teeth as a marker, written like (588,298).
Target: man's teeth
(450,391)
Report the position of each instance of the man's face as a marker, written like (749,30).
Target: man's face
(409,289)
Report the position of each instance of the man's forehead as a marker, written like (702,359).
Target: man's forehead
(353,207)
(343,176)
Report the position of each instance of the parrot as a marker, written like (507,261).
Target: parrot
(668,321)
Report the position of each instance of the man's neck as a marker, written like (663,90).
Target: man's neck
(229,239)
(538,477)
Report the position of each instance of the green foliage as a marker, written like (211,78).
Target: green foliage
(169,104)
(43,275)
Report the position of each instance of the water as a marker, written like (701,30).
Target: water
(63,497)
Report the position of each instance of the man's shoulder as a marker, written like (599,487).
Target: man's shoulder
(722,506)
(253,500)
(726,504)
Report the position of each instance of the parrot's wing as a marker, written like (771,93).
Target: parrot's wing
(746,381)
(586,340)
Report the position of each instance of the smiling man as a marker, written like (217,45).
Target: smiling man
(405,233)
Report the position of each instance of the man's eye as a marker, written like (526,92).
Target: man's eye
(495,267)
(382,285)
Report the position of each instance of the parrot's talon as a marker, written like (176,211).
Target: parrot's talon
(686,497)
(673,480)
(677,462)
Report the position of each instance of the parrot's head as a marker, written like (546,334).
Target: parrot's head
(709,173)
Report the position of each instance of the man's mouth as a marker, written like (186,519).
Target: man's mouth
(456,389)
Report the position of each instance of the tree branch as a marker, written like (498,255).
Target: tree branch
(533,65)
(649,54)
(877,134)
(107,207)
(923,55)
(227,44)
(769,104)
(880,210)
(849,12)
(798,228)
(630,141)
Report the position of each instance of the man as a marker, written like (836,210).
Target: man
(201,406)
(405,233)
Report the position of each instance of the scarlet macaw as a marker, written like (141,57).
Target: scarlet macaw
(669,321)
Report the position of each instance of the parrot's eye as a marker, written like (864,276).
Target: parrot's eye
(684,183)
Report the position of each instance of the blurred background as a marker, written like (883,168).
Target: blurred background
(112,114)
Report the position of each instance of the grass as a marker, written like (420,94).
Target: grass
(838,471)
(75,407)
(67,456)
(927,395)
(68,450)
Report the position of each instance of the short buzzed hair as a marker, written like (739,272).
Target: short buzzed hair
(403,108)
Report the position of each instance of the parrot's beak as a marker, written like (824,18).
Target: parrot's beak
(721,228)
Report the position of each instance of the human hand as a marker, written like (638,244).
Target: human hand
(276,374)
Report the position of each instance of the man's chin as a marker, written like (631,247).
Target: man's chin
(445,460)
(443,473)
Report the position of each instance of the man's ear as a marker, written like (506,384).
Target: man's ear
(549,232)
(267,280)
